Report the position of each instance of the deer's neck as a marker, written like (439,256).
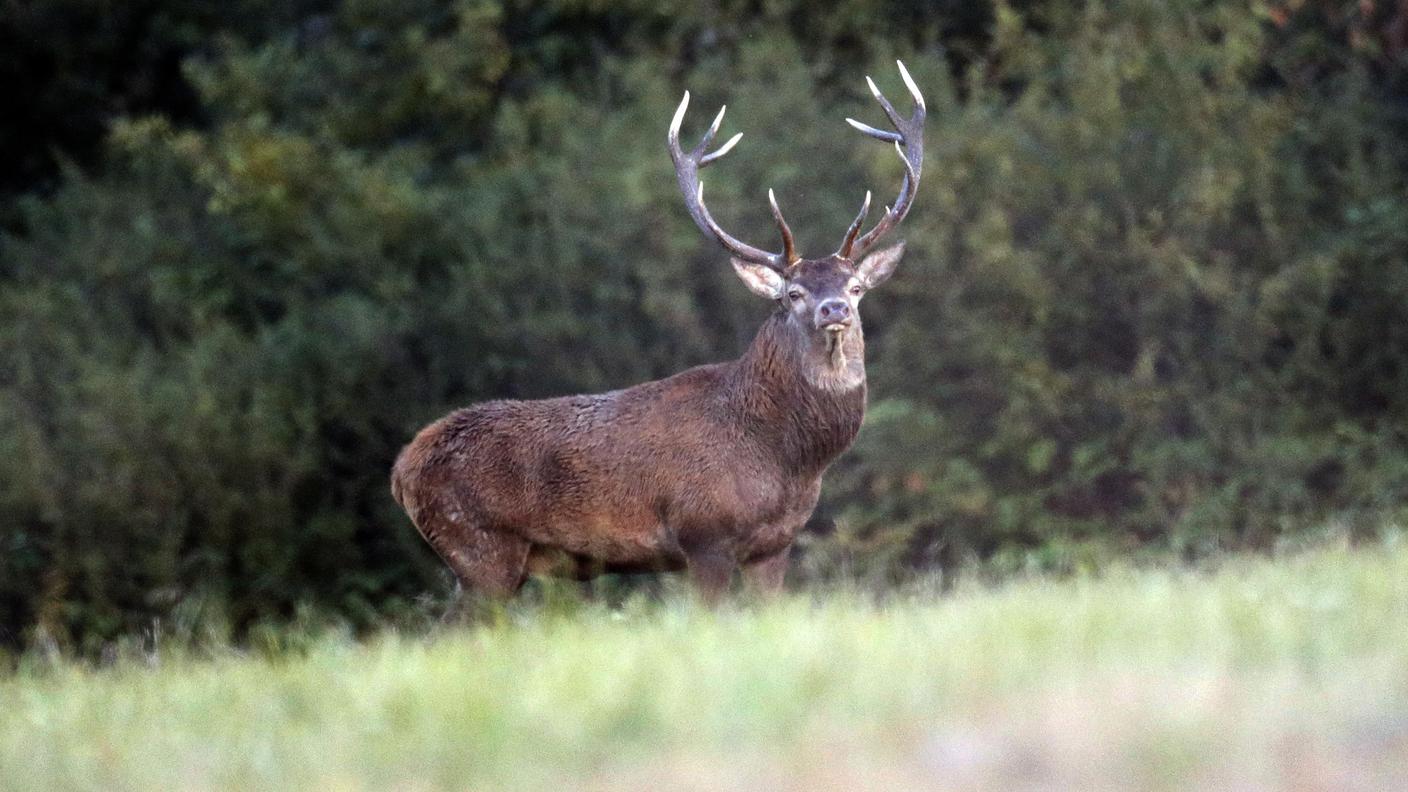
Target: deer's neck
(805,392)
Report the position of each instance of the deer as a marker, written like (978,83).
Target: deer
(711,471)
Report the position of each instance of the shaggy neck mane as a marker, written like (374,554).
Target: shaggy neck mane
(807,392)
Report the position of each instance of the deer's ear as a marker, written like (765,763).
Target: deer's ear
(876,268)
(760,279)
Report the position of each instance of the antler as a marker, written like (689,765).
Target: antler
(687,171)
(908,138)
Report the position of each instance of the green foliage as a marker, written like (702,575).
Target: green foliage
(1153,294)
(1149,299)
(72,66)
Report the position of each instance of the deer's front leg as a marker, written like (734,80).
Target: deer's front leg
(764,575)
(712,571)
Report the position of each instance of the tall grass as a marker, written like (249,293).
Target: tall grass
(1282,673)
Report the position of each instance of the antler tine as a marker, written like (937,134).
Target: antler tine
(908,139)
(724,149)
(909,83)
(673,136)
(888,137)
(884,103)
(713,129)
(789,251)
(845,249)
(687,173)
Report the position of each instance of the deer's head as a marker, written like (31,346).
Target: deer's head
(821,296)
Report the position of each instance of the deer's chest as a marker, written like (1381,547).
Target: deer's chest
(769,536)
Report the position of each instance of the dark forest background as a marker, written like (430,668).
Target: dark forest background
(1154,299)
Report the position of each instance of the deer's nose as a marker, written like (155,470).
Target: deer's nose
(833,312)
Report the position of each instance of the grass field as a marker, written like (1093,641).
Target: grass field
(1287,673)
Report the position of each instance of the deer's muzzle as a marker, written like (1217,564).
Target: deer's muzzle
(833,314)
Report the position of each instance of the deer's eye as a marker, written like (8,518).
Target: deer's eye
(856,290)
(794,295)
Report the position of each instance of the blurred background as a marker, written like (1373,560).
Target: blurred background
(1153,305)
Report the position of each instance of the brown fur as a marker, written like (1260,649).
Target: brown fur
(716,466)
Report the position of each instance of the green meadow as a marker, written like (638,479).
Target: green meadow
(1286,672)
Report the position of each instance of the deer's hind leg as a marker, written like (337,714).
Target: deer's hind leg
(487,563)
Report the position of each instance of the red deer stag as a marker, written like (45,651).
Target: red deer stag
(711,469)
